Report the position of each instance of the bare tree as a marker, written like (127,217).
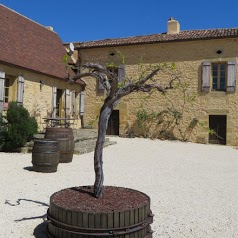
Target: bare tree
(146,82)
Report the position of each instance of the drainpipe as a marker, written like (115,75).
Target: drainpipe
(81,113)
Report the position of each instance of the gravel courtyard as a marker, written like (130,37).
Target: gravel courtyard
(193,187)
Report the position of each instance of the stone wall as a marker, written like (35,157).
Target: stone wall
(188,57)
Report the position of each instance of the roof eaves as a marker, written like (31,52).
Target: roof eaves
(91,44)
(38,72)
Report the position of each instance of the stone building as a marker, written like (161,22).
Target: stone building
(203,108)
(32,70)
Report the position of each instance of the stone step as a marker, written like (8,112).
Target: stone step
(85,134)
(86,146)
(85,141)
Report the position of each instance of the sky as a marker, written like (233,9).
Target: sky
(79,21)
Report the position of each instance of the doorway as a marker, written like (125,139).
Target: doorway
(217,123)
(113,123)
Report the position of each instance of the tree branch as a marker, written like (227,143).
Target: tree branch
(149,76)
(107,78)
(114,94)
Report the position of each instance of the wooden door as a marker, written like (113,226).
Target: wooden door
(217,123)
(113,123)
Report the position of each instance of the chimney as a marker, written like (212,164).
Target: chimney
(173,26)
(50,28)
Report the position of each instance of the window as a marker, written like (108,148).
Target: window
(219,72)
(113,70)
(219,76)
(9,91)
(119,71)
(100,87)
(6,92)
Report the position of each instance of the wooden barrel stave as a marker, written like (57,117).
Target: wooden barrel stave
(132,223)
(66,150)
(45,156)
(65,137)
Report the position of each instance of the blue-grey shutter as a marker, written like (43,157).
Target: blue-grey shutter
(206,74)
(54,96)
(231,76)
(81,109)
(73,103)
(2,90)
(67,103)
(121,73)
(100,86)
(20,90)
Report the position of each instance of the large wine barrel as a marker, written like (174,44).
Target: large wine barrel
(45,156)
(65,137)
(120,213)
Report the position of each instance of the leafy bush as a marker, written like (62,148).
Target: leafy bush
(20,127)
(2,130)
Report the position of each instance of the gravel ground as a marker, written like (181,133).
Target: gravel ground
(193,187)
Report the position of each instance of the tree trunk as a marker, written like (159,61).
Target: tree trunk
(98,163)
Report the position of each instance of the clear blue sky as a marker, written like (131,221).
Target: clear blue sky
(85,20)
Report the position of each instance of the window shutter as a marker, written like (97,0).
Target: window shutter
(20,90)
(73,103)
(54,96)
(82,97)
(206,72)
(121,73)
(2,90)
(67,103)
(100,86)
(231,76)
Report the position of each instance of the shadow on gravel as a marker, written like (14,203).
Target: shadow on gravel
(29,168)
(40,230)
(18,202)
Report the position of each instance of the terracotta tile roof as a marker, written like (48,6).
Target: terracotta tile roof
(157,38)
(27,44)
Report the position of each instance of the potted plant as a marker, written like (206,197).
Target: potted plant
(98,210)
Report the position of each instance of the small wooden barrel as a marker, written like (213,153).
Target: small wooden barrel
(45,156)
(121,213)
(65,137)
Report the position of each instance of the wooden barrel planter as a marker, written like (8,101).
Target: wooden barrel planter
(65,137)
(120,213)
(45,156)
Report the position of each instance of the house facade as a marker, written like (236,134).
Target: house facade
(32,71)
(202,108)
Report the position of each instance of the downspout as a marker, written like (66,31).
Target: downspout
(82,93)
(81,113)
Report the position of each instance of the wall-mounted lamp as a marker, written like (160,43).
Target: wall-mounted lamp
(42,83)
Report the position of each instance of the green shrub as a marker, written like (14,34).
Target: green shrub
(20,127)
(2,130)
